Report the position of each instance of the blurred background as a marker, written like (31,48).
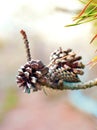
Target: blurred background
(44,21)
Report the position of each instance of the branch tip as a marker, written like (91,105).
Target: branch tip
(26,42)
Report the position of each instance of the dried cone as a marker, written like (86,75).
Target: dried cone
(32,76)
(64,66)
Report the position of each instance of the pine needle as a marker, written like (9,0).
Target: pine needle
(93,62)
(84,9)
(93,39)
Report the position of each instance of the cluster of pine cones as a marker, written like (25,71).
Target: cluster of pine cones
(64,66)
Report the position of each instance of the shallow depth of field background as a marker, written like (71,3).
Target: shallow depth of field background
(44,21)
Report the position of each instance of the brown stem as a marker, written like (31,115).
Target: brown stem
(85,85)
(26,42)
(74,86)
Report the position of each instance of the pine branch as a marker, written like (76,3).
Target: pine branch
(85,85)
(75,86)
(61,74)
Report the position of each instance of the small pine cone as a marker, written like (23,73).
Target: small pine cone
(32,76)
(67,65)
(59,53)
(58,75)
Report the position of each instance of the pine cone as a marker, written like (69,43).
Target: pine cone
(32,76)
(64,66)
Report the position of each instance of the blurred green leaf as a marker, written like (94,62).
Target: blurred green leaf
(10,102)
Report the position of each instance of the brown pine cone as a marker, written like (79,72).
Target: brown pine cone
(32,76)
(65,65)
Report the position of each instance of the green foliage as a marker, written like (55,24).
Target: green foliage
(87,14)
(10,102)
